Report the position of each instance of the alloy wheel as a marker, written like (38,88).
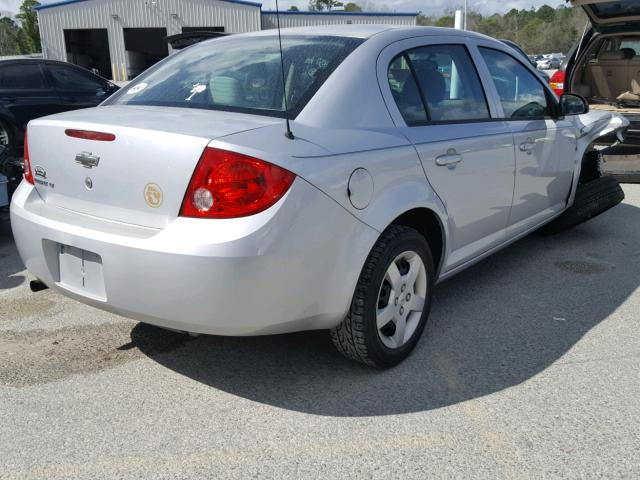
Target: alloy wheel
(4,136)
(401,299)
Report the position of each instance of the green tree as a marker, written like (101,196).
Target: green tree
(13,40)
(446,21)
(29,24)
(321,5)
(352,7)
(546,13)
(293,8)
(8,34)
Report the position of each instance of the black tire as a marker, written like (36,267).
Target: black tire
(357,336)
(592,199)
(10,135)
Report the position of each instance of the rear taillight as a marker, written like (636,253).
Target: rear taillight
(230,185)
(28,175)
(557,82)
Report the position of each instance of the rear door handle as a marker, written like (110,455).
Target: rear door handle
(527,146)
(449,159)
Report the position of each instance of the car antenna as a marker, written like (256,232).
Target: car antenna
(288,133)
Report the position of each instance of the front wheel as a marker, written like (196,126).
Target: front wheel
(6,136)
(391,303)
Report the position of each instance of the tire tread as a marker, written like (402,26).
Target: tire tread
(592,199)
(349,336)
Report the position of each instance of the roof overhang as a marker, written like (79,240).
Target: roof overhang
(63,3)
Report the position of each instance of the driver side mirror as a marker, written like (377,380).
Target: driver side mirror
(572,104)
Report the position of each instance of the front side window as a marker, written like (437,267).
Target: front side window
(241,74)
(21,77)
(521,92)
(68,78)
(437,83)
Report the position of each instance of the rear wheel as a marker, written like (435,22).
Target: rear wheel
(592,198)
(391,303)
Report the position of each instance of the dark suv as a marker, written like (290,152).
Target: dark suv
(32,88)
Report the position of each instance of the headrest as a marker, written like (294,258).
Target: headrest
(628,52)
(431,80)
(615,55)
(225,91)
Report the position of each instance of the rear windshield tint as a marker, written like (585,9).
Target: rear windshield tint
(616,9)
(241,74)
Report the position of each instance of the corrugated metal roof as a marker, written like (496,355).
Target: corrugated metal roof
(70,2)
(340,13)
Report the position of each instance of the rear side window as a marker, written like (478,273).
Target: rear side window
(437,83)
(406,92)
(521,92)
(629,46)
(67,78)
(21,77)
(242,74)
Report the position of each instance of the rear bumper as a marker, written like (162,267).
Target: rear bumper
(291,268)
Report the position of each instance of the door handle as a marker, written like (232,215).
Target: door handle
(450,159)
(527,146)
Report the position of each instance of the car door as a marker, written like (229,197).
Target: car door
(437,100)
(25,93)
(545,144)
(76,88)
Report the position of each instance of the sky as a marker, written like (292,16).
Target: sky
(430,7)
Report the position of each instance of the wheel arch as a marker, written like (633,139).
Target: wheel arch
(430,225)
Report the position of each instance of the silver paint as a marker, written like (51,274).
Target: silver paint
(300,260)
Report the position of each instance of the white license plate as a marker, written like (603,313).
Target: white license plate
(81,272)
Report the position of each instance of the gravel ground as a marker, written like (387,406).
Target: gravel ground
(529,368)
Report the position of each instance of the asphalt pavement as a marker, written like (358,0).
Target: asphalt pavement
(529,368)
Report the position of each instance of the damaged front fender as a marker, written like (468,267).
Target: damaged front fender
(589,127)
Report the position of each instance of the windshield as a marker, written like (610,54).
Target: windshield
(241,74)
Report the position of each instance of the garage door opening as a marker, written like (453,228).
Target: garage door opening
(145,47)
(89,48)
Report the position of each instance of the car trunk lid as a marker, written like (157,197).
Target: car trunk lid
(140,177)
(605,13)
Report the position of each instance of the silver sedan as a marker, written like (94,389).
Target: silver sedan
(185,200)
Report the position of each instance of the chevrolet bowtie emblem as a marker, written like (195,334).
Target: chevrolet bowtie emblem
(87,159)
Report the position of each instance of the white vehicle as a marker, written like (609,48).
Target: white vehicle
(186,202)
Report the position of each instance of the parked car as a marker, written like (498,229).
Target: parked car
(604,66)
(181,41)
(32,88)
(549,63)
(202,198)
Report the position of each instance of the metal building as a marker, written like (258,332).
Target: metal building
(309,19)
(122,38)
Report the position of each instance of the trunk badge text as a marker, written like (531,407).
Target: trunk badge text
(87,159)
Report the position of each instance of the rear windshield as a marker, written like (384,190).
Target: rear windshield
(615,9)
(241,74)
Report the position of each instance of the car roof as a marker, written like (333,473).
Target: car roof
(394,32)
(18,58)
